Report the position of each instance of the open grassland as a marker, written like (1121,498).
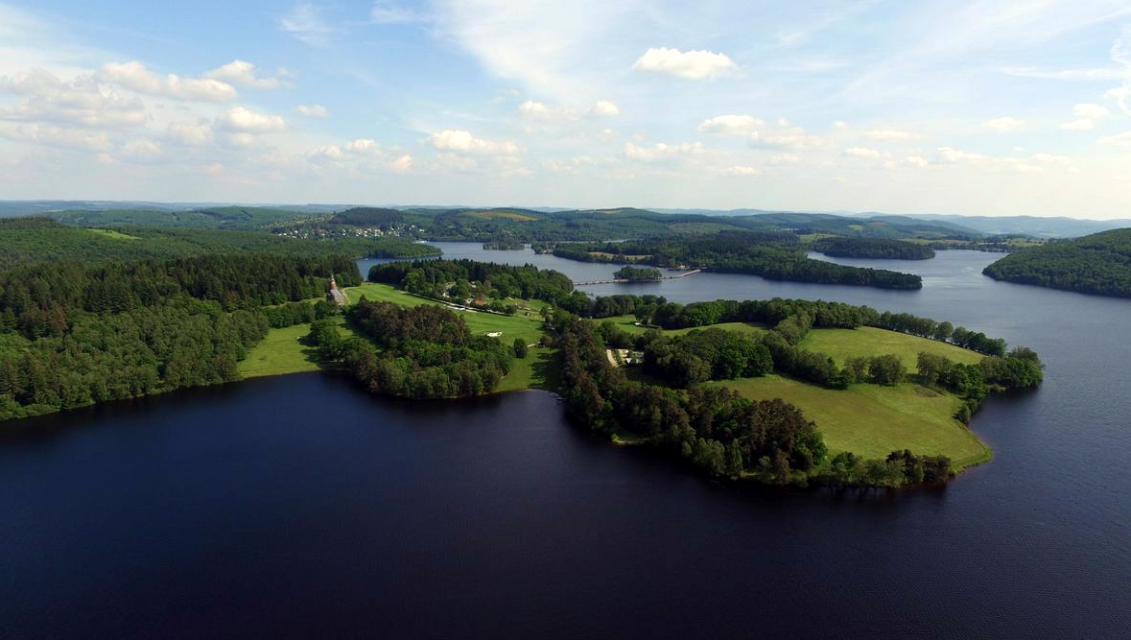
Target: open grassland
(283,351)
(116,235)
(872,420)
(842,344)
(628,325)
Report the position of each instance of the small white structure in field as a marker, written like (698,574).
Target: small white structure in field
(495,334)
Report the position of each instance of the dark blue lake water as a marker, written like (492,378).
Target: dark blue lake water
(299,507)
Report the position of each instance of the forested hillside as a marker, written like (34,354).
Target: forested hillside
(776,256)
(28,240)
(74,334)
(1099,264)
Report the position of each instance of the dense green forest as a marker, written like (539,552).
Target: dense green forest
(73,334)
(1099,264)
(232,217)
(421,352)
(29,240)
(875,248)
(775,256)
(638,274)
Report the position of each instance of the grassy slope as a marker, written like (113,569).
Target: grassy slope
(873,421)
(628,325)
(283,352)
(842,344)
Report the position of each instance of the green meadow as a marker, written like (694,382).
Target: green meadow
(872,420)
(842,344)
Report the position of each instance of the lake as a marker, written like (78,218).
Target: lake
(299,506)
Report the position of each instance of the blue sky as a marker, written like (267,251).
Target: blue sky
(967,107)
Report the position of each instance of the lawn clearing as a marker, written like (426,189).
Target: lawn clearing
(628,325)
(842,344)
(873,420)
(116,235)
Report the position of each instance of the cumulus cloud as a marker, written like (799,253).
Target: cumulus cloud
(661,151)
(916,161)
(731,125)
(189,134)
(1091,111)
(950,155)
(890,135)
(603,109)
(784,159)
(1003,125)
(80,102)
(792,137)
(1119,139)
(861,152)
(312,111)
(243,74)
(1120,94)
(463,142)
(533,110)
(690,65)
(740,170)
(136,77)
(60,137)
(142,150)
(248,121)
(401,164)
(1078,125)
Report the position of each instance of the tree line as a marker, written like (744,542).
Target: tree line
(422,352)
(775,256)
(1099,263)
(874,248)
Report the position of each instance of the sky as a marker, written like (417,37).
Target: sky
(963,107)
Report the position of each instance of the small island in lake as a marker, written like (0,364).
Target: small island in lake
(638,274)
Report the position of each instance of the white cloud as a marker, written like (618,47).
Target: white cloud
(661,151)
(793,137)
(312,111)
(784,159)
(691,65)
(950,155)
(402,164)
(80,102)
(539,111)
(1091,111)
(731,125)
(890,135)
(389,13)
(1078,125)
(603,109)
(739,170)
(362,145)
(1003,125)
(305,22)
(243,74)
(916,161)
(463,142)
(189,134)
(1120,94)
(532,110)
(246,120)
(861,152)
(1048,158)
(141,150)
(61,137)
(136,77)
(1119,139)
(841,124)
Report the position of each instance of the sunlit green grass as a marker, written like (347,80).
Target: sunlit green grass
(117,235)
(842,344)
(872,420)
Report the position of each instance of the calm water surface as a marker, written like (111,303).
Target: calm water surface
(300,507)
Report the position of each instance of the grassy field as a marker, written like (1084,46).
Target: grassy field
(279,353)
(628,325)
(872,421)
(842,344)
(116,235)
